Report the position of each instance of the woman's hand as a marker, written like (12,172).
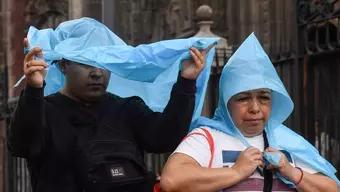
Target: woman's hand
(247,162)
(284,167)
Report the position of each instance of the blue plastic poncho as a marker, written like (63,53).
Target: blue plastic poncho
(250,68)
(148,71)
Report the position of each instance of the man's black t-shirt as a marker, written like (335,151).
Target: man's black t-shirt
(55,134)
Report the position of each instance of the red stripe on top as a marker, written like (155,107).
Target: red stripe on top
(210,140)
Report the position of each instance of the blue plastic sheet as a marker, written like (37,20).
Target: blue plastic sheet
(147,70)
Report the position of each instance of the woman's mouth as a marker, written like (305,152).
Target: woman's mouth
(253,122)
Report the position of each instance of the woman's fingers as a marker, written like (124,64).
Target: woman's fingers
(270,149)
(253,150)
(257,156)
(254,155)
(259,163)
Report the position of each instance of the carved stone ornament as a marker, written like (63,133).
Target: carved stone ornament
(45,13)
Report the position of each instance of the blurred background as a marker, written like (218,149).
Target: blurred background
(302,38)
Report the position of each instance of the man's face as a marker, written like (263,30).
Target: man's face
(250,111)
(85,83)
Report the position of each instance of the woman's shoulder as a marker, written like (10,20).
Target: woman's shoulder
(215,133)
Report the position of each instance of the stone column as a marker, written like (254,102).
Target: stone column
(204,21)
(85,8)
(204,16)
(75,9)
(109,14)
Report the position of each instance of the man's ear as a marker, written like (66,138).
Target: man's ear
(62,65)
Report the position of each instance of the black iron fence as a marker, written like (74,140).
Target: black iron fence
(18,178)
(319,27)
(322,106)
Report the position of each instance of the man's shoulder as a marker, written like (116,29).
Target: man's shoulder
(53,97)
(131,99)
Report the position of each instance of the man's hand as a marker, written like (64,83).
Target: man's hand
(193,67)
(34,69)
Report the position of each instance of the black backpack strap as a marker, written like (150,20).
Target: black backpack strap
(267,174)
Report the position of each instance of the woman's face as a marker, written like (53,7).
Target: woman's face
(250,110)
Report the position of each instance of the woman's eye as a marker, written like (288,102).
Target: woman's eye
(241,99)
(265,99)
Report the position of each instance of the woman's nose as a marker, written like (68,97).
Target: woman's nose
(254,106)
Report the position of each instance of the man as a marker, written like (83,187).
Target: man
(83,138)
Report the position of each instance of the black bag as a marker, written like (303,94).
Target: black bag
(108,159)
(114,163)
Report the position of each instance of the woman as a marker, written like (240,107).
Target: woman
(245,147)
